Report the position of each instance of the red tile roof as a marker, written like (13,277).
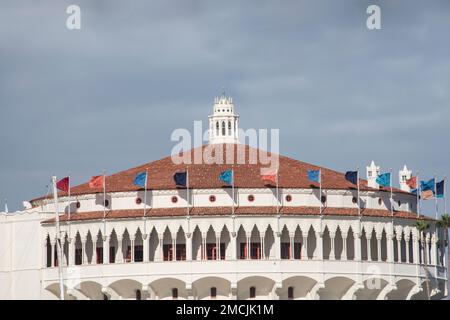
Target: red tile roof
(292,174)
(224,211)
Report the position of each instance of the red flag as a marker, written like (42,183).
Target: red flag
(269,176)
(412,183)
(96,182)
(63,184)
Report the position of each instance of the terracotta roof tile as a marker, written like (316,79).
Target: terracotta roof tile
(292,174)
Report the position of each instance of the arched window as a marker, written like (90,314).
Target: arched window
(229,128)
(105,297)
(174,293)
(252,292)
(217,128)
(223,128)
(138,295)
(291,293)
(213,292)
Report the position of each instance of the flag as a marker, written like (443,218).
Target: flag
(141,179)
(412,183)
(269,176)
(314,175)
(180,179)
(352,176)
(96,182)
(440,189)
(427,185)
(63,184)
(427,195)
(227,177)
(384,179)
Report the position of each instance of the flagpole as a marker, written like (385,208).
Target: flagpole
(320,191)
(145,202)
(187,190)
(104,203)
(445,198)
(58,240)
(392,198)
(418,194)
(435,198)
(278,204)
(359,204)
(232,190)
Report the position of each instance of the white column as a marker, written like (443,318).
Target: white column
(390,247)
(119,254)
(416,248)
(189,247)
(433,250)
(145,246)
(248,239)
(132,240)
(369,249)
(53,243)
(105,249)
(233,246)
(204,255)
(318,253)
(277,246)
(304,252)
(399,247)
(174,248)
(84,258)
(218,247)
(407,248)
(357,244)
(332,253)
(262,254)
(344,247)
(379,247)
(291,242)
(72,251)
(160,247)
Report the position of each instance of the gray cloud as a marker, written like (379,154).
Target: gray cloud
(109,96)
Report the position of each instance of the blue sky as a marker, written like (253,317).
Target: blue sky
(108,96)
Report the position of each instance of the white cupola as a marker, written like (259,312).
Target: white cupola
(223,123)
(372,173)
(403,176)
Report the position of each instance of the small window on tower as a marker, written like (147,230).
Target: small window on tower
(229,128)
(217,128)
(223,128)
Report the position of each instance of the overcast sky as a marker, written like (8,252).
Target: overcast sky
(109,95)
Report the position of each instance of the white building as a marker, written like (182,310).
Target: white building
(253,246)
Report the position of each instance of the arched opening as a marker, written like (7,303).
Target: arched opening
(312,243)
(269,240)
(255,244)
(126,246)
(298,239)
(242,244)
(174,293)
(211,244)
(180,245)
(252,292)
(223,128)
(213,294)
(138,295)
(66,249)
(138,247)
(350,244)
(113,246)
(291,293)
(326,244)
(89,248)
(224,243)
(78,250)
(168,250)
(48,247)
(374,246)
(197,245)
(99,248)
(217,128)
(285,244)
(153,246)
(383,246)
(229,128)
(338,244)
(363,240)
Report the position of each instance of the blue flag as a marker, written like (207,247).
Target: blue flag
(227,177)
(180,179)
(314,175)
(352,176)
(427,185)
(141,179)
(384,179)
(440,189)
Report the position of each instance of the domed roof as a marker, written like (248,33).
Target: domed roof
(291,173)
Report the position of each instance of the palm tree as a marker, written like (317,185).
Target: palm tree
(423,226)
